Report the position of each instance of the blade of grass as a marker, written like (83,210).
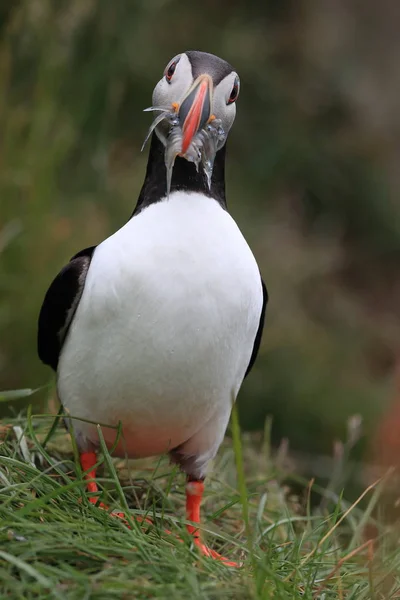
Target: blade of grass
(335,526)
(110,465)
(53,427)
(10,395)
(367,513)
(238,451)
(40,448)
(29,570)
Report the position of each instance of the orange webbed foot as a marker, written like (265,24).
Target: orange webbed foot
(88,462)
(206,551)
(194,494)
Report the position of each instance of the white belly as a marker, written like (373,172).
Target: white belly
(165,328)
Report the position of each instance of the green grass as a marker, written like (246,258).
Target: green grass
(55,544)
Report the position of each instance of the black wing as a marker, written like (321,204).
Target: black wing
(257,341)
(59,306)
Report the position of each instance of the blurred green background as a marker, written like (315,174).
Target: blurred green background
(313,179)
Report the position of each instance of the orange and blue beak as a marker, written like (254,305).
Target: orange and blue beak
(195,109)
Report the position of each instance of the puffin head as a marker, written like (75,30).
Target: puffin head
(195,108)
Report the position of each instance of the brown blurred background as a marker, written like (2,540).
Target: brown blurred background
(313,181)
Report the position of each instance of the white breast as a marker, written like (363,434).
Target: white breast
(165,328)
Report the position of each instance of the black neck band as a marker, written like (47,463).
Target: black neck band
(184,177)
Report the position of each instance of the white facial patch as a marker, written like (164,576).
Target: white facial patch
(167,92)
(221,109)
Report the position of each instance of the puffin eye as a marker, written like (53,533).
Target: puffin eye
(170,70)
(234,92)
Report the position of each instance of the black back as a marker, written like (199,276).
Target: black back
(257,341)
(59,306)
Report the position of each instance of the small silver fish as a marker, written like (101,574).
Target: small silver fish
(203,147)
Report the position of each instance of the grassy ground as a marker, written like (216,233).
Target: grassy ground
(55,544)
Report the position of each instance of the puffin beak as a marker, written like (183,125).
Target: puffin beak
(195,109)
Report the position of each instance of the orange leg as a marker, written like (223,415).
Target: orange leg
(88,461)
(194,495)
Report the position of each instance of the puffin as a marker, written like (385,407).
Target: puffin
(155,328)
